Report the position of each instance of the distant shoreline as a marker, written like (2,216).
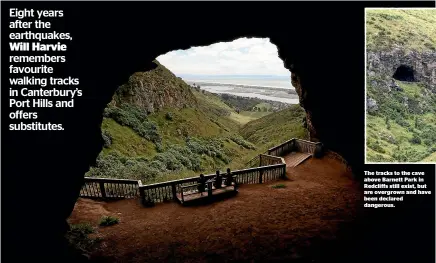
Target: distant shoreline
(292,90)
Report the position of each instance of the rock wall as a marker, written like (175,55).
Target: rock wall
(385,63)
(154,90)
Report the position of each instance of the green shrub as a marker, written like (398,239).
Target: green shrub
(209,147)
(429,134)
(78,237)
(159,147)
(83,228)
(402,122)
(116,165)
(415,139)
(108,221)
(409,154)
(277,186)
(247,145)
(133,117)
(375,145)
(170,161)
(169,116)
(189,159)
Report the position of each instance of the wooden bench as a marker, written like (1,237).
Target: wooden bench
(190,192)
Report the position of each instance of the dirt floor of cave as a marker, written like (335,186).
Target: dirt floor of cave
(297,223)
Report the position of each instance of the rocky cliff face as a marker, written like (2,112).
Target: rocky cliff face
(420,66)
(385,67)
(154,90)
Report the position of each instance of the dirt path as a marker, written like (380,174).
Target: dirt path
(299,222)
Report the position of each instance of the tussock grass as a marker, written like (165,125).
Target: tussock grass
(410,29)
(78,236)
(278,186)
(109,221)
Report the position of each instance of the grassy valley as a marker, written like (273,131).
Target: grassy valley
(276,128)
(198,136)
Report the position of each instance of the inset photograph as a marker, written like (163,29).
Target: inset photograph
(400,85)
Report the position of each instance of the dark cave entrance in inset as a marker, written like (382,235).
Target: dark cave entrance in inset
(405,73)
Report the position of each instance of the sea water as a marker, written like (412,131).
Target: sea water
(275,89)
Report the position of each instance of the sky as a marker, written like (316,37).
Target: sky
(243,56)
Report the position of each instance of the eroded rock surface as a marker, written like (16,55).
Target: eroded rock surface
(386,63)
(154,90)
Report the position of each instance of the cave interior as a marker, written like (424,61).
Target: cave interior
(405,73)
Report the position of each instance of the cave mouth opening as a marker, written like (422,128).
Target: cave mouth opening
(246,66)
(405,73)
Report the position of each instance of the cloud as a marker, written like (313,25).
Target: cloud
(243,56)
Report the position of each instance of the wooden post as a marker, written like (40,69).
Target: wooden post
(260,175)
(173,189)
(102,190)
(209,188)
(260,159)
(142,195)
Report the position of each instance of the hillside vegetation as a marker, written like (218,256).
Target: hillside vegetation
(408,29)
(179,136)
(401,111)
(276,128)
(403,129)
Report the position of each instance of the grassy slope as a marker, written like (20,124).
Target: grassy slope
(412,29)
(276,127)
(431,158)
(246,116)
(398,137)
(377,131)
(126,141)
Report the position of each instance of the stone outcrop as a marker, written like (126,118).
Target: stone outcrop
(154,90)
(385,63)
(371,105)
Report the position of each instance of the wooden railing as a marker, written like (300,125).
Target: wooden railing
(282,149)
(265,160)
(260,174)
(108,188)
(166,191)
(269,167)
(305,146)
(293,145)
(255,161)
